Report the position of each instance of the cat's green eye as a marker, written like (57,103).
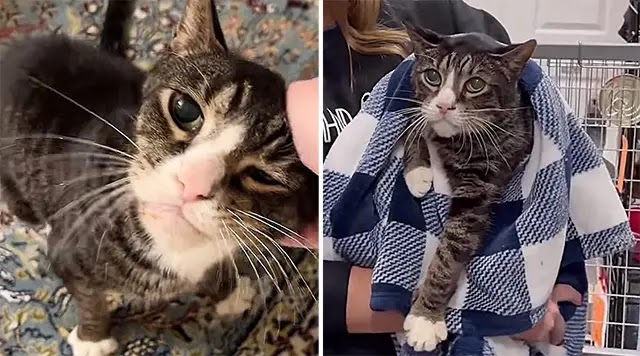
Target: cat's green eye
(185,112)
(260,176)
(475,85)
(432,77)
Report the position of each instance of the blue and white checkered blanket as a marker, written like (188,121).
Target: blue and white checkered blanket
(559,210)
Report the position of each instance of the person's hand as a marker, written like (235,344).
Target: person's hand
(552,327)
(302,110)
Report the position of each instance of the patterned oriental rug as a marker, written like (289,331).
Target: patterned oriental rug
(37,313)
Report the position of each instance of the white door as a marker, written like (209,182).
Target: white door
(558,21)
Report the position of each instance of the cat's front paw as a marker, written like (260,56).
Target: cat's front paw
(239,301)
(91,348)
(419,181)
(424,334)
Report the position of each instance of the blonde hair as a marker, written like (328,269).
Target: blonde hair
(359,25)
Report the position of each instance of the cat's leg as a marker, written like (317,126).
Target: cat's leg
(91,337)
(417,164)
(468,221)
(18,206)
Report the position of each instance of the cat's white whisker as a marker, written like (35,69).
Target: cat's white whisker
(284,253)
(85,177)
(280,228)
(273,275)
(404,99)
(115,184)
(66,138)
(115,159)
(115,195)
(247,228)
(243,245)
(253,266)
(45,85)
(496,109)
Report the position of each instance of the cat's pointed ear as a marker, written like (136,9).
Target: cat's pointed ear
(517,55)
(421,38)
(199,29)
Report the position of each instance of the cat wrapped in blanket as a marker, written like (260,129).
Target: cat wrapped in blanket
(152,183)
(469,111)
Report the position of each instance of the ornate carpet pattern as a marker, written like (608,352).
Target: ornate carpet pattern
(37,313)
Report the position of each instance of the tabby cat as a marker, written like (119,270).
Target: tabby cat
(474,117)
(150,182)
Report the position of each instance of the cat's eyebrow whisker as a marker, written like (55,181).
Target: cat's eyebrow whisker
(46,86)
(65,138)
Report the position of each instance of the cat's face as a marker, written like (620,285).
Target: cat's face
(459,80)
(216,153)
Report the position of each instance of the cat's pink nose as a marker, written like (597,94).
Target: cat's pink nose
(197,181)
(444,108)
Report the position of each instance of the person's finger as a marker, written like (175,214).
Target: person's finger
(566,293)
(302,112)
(541,331)
(556,335)
(308,238)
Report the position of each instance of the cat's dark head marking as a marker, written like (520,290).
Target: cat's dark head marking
(467,79)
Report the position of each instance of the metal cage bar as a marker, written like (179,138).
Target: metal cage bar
(601,83)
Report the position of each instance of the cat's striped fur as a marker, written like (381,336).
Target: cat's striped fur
(89,142)
(470,109)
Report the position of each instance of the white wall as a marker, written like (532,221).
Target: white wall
(558,21)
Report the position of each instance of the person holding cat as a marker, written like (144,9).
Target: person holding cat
(363,42)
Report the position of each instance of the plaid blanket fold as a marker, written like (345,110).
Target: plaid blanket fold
(560,208)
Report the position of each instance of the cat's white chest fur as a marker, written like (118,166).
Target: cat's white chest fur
(191,263)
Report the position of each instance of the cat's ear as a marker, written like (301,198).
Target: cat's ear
(421,38)
(199,29)
(517,55)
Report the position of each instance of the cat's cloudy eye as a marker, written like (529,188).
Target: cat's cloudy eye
(260,176)
(432,77)
(475,85)
(185,112)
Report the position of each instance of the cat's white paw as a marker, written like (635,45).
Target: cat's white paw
(419,181)
(90,348)
(424,334)
(239,301)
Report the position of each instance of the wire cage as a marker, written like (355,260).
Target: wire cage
(601,83)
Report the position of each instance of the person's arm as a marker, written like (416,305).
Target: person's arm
(359,318)
(347,290)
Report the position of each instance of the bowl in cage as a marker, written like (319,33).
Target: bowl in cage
(619,100)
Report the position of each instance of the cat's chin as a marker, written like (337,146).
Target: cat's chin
(192,222)
(443,128)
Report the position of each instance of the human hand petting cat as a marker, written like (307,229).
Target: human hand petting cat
(302,111)
(551,328)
